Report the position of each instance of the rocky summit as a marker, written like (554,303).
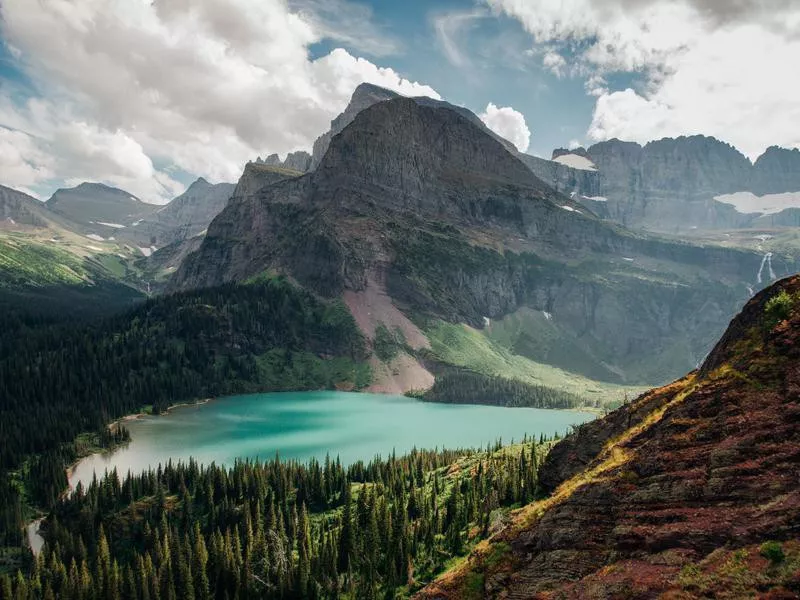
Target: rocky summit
(416,204)
(688,491)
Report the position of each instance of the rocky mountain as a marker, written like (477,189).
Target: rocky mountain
(184,220)
(776,171)
(98,208)
(689,491)
(364,96)
(678,185)
(295,161)
(184,217)
(416,211)
(18,208)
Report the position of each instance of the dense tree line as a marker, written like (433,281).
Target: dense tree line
(276,529)
(460,386)
(58,379)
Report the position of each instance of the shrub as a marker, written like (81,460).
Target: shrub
(778,308)
(773,552)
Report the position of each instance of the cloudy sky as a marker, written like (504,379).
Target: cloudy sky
(146,95)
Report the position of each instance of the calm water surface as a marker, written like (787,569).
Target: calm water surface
(302,425)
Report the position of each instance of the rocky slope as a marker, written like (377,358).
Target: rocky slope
(98,208)
(673,494)
(18,208)
(418,203)
(183,222)
(184,217)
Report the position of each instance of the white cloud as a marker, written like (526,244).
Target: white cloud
(202,85)
(450,27)
(554,62)
(507,123)
(710,66)
(348,23)
(22,161)
(573,144)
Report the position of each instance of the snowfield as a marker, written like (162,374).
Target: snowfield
(770,204)
(576,162)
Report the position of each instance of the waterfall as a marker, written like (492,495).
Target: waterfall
(766,259)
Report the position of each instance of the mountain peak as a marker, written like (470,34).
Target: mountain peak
(370,89)
(404,143)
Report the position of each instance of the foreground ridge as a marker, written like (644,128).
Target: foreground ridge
(689,491)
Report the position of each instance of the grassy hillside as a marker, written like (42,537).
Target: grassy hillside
(463,346)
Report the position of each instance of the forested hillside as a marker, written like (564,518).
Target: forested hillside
(59,379)
(277,530)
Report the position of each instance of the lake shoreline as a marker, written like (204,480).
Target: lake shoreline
(112,426)
(296,421)
(70,470)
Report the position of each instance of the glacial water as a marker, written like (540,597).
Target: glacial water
(302,425)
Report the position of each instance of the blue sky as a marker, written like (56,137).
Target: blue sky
(497,65)
(147,95)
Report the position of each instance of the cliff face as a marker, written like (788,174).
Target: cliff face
(565,179)
(364,96)
(416,201)
(672,494)
(776,171)
(669,185)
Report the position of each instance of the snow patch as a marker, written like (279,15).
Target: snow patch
(135,223)
(547,315)
(10,220)
(114,225)
(487,322)
(576,162)
(145,251)
(570,209)
(596,198)
(770,204)
(95,248)
(628,259)
(95,237)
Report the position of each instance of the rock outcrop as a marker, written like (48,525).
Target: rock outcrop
(672,495)
(294,161)
(419,197)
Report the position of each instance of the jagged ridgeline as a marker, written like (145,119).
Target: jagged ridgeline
(416,205)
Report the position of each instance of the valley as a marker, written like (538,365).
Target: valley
(384,314)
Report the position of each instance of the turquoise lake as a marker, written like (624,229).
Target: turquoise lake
(302,425)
